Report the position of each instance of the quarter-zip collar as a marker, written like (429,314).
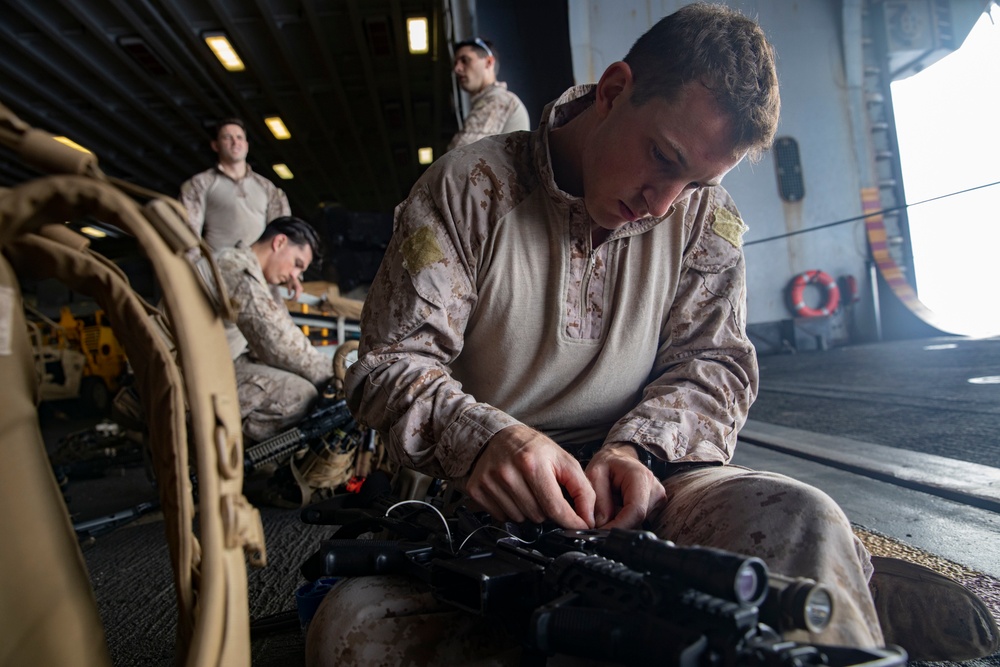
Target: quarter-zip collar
(556,114)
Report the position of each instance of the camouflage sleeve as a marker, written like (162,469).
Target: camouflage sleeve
(277,204)
(706,368)
(192,197)
(272,336)
(413,327)
(487,117)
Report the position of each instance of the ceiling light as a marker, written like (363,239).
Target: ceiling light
(72,144)
(416,33)
(282,171)
(425,155)
(224,51)
(277,127)
(93,232)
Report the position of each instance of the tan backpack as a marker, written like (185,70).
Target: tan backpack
(48,613)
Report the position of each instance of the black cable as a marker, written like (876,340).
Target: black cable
(866,215)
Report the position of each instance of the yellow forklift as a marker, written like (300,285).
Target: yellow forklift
(76,358)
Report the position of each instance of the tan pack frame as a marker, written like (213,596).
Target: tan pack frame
(185,379)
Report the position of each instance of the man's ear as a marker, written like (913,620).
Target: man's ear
(616,81)
(215,146)
(278,241)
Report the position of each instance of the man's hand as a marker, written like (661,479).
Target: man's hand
(520,475)
(626,489)
(294,285)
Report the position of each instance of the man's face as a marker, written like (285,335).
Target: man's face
(231,144)
(642,160)
(286,261)
(473,71)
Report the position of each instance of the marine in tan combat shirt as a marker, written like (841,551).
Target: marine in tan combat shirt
(558,328)
(230,202)
(493,108)
(278,371)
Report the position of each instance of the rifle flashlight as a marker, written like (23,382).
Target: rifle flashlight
(794,603)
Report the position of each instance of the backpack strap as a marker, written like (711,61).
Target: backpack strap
(199,383)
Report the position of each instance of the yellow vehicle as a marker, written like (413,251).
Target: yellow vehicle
(76,357)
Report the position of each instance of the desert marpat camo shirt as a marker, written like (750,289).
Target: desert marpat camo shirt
(495,110)
(492,308)
(226,211)
(263,326)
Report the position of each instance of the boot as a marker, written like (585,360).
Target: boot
(931,616)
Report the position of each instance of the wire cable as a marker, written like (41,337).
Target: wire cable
(447,530)
(866,215)
(451,544)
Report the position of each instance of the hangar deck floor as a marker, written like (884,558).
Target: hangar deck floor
(893,431)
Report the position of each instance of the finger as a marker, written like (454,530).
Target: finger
(640,494)
(512,492)
(554,505)
(631,515)
(604,495)
(496,504)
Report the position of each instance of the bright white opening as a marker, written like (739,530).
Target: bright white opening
(949,140)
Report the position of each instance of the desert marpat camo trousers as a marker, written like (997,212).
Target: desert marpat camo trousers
(796,529)
(271,400)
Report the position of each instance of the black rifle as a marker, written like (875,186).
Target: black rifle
(105,524)
(326,418)
(622,596)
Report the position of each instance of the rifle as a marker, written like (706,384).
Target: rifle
(326,418)
(107,523)
(622,596)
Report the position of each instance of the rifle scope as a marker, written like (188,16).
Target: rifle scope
(723,574)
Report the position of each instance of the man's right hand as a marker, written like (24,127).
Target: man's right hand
(520,475)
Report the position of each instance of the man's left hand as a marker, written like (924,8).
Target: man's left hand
(627,491)
(294,286)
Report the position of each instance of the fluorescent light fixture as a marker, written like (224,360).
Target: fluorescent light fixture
(72,144)
(224,51)
(425,155)
(93,232)
(282,171)
(277,127)
(416,34)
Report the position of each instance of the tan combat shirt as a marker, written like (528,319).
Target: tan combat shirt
(495,110)
(492,307)
(226,211)
(263,326)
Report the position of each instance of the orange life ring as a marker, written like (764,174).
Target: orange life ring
(798,288)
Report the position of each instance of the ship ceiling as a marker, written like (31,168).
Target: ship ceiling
(135,82)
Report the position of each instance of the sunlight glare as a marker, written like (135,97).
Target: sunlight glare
(949,140)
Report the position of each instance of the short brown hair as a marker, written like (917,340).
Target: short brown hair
(228,121)
(723,50)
